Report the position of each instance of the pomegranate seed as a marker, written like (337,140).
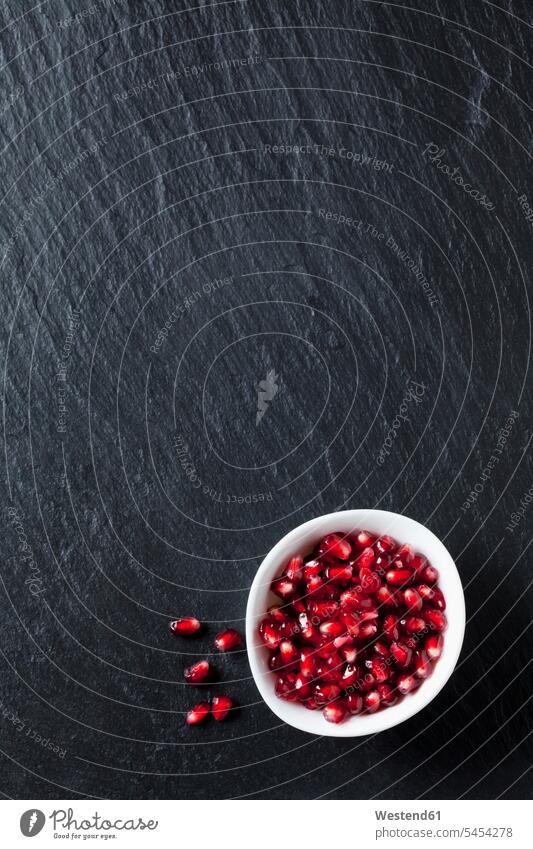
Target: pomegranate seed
(277,614)
(288,652)
(350,599)
(339,574)
(369,581)
(363,540)
(423,666)
(197,672)
(401,654)
(435,618)
(430,575)
(372,701)
(293,570)
(312,568)
(413,624)
(368,615)
(418,563)
(386,545)
(426,593)
(413,602)
(433,646)
(405,553)
(285,687)
(334,712)
(336,546)
(387,597)
(349,653)
(323,609)
(405,683)
(351,623)
(332,628)
(198,713)
(284,588)
(310,704)
(354,703)
(390,627)
(307,663)
(366,682)
(387,695)
(327,673)
(325,693)
(220,707)
(275,662)
(381,649)
(302,687)
(344,640)
(438,599)
(379,670)
(315,586)
(349,676)
(366,559)
(399,577)
(227,640)
(307,630)
(186,627)
(368,630)
(268,632)
(298,605)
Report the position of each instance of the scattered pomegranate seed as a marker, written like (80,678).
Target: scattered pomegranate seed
(227,640)
(186,627)
(355,636)
(197,672)
(334,712)
(198,713)
(220,707)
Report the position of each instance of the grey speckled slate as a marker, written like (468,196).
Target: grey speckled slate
(338,194)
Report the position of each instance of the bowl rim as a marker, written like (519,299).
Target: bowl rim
(313,722)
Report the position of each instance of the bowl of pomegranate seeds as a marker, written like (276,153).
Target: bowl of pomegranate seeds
(355,622)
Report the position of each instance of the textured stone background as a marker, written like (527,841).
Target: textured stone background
(136,172)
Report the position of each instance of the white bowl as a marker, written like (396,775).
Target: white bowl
(301,541)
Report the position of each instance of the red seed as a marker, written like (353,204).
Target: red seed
(350,599)
(387,695)
(379,669)
(430,575)
(339,574)
(307,663)
(399,577)
(197,714)
(349,676)
(315,587)
(438,599)
(349,653)
(220,707)
(363,540)
(269,633)
(186,627)
(372,701)
(310,704)
(386,545)
(335,545)
(413,624)
(352,624)
(325,693)
(284,588)
(293,569)
(390,627)
(227,640)
(334,712)
(426,593)
(366,559)
(433,646)
(285,687)
(423,667)
(381,649)
(401,654)
(312,567)
(197,672)
(405,683)
(275,662)
(288,652)
(387,597)
(413,602)
(354,703)
(368,630)
(323,609)
(369,581)
(332,628)
(406,553)
(302,687)
(435,618)
(344,640)
(278,614)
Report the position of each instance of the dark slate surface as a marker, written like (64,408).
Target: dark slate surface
(137,184)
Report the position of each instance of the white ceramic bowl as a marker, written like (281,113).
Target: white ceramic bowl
(301,541)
